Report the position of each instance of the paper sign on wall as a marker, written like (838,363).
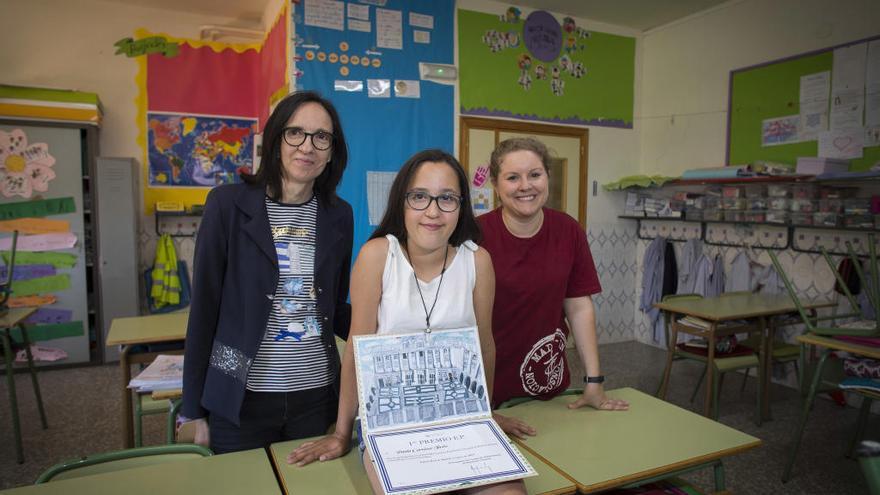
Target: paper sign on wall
(24,168)
(780,130)
(378,186)
(842,143)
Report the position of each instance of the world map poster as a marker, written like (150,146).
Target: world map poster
(198,150)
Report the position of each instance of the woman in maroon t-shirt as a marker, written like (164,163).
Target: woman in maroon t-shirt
(544,276)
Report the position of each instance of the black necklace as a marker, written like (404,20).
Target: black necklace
(436,295)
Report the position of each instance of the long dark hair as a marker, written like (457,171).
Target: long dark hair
(271,168)
(393,221)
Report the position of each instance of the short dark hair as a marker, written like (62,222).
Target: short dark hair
(271,169)
(393,222)
(517,144)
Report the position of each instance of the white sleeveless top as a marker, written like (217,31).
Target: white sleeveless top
(401,310)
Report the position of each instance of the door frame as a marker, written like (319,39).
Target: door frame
(498,126)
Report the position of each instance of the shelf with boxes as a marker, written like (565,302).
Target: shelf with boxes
(783,207)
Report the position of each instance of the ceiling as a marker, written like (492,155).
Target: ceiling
(640,15)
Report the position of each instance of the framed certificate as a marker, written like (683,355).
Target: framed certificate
(426,416)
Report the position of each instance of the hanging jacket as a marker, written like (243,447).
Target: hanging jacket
(166,283)
(670,271)
(709,276)
(652,284)
(687,268)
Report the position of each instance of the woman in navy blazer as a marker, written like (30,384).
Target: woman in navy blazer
(236,285)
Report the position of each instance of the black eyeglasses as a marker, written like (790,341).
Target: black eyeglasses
(419,200)
(295,136)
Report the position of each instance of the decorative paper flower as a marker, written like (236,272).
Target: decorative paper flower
(23,168)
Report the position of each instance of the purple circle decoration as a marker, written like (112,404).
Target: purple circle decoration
(542,35)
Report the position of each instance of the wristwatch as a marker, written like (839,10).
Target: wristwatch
(594,379)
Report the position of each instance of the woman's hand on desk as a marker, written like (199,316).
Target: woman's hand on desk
(329,447)
(594,396)
(514,427)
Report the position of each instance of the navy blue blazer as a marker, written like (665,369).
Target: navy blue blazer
(235,272)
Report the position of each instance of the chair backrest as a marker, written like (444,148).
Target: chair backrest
(122,459)
(811,322)
(789,287)
(735,293)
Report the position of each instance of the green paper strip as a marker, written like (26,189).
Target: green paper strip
(41,285)
(58,260)
(145,46)
(39,333)
(38,208)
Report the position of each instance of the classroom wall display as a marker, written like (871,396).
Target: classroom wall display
(200,107)
(51,249)
(545,68)
(25,167)
(364,56)
(194,150)
(821,103)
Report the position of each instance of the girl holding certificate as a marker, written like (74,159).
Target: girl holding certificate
(545,280)
(420,271)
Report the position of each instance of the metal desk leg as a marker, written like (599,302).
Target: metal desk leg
(719,476)
(127,412)
(710,369)
(13,398)
(33,372)
(808,403)
(670,353)
(766,365)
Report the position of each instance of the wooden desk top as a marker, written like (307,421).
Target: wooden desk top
(148,329)
(233,474)
(14,316)
(606,449)
(840,345)
(737,306)
(347,475)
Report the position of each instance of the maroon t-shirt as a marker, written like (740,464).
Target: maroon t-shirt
(532,279)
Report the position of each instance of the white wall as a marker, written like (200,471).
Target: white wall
(686,64)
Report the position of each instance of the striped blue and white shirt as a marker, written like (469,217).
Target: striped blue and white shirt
(292,355)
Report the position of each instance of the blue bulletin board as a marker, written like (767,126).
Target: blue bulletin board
(364,56)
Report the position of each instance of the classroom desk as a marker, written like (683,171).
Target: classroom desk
(134,330)
(233,474)
(600,450)
(828,344)
(346,475)
(716,310)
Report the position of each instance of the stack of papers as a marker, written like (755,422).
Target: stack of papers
(693,321)
(165,373)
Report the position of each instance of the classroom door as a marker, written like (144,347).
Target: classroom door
(568,168)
